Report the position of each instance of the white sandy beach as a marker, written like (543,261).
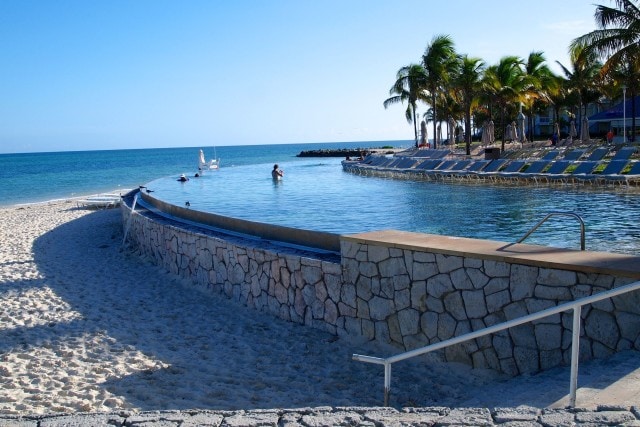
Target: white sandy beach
(88,326)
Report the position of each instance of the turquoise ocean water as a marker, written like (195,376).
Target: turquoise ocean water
(316,194)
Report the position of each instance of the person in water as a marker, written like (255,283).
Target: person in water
(277,173)
(183,178)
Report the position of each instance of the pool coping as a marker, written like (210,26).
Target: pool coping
(519,253)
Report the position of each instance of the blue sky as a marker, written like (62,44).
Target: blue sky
(88,75)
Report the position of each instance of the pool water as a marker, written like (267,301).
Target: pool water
(316,194)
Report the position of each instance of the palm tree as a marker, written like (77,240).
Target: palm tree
(617,39)
(540,82)
(438,61)
(583,77)
(504,84)
(467,82)
(409,87)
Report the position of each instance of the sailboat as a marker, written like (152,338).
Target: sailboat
(203,164)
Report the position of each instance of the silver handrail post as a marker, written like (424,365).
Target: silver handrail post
(387,382)
(575,351)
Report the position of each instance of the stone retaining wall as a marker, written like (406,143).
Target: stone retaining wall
(412,297)
(407,296)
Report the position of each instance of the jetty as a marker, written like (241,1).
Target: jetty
(344,152)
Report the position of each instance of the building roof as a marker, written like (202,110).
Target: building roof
(617,112)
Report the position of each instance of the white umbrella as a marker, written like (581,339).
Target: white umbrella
(514,131)
(486,137)
(451,131)
(521,120)
(584,130)
(492,132)
(423,133)
(508,133)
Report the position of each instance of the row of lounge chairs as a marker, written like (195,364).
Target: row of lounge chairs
(553,167)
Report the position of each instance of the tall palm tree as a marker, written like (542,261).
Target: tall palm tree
(504,84)
(467,81)
(583,76)
(540,82)
(438,61)
(409,86)
(618,40)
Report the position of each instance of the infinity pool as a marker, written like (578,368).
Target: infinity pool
(316,194)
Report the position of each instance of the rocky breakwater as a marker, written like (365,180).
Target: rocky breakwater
(345,152)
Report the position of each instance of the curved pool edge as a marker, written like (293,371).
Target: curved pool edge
(306,238)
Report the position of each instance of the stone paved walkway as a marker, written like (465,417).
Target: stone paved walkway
(326,416)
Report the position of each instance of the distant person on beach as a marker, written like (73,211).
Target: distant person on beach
(610,136)
(276,173)
(183,178)
(554,139)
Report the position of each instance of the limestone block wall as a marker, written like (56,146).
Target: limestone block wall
(412,297)
(406,294)
(288,284)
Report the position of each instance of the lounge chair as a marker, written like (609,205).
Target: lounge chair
(574,154)
(453,170)
(550,155)
(491,168)
(615,167)
(556,170)
(633,176)
(444,165)
(534,169)
(624,153)
(473,168)
(495,165)
(510,170)
(583,172)
(428,164)
(101,201)
(598,154)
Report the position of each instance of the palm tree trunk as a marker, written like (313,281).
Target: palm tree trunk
(435,119)
(633,116)
(467,128)
(415,126)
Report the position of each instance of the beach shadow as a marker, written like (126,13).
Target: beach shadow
(167,345)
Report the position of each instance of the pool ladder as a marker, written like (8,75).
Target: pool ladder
(551,214)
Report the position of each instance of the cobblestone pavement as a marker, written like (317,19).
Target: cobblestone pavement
(344,416)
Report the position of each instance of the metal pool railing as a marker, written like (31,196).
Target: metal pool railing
(549,215)
(576,306)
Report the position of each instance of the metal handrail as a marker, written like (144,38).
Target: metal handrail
(576,306)
(549,215)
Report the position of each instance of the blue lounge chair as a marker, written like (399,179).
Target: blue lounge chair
(583,172)
(615,167)
(556,170)
(534,170)
(478,165)
(434,173)
(428,164)
(624,153)
(574,154)
(495,165)
(598,154)
(633,176)
(453,170)
(537,167)
(612,173)
(511,170)
(550,155)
